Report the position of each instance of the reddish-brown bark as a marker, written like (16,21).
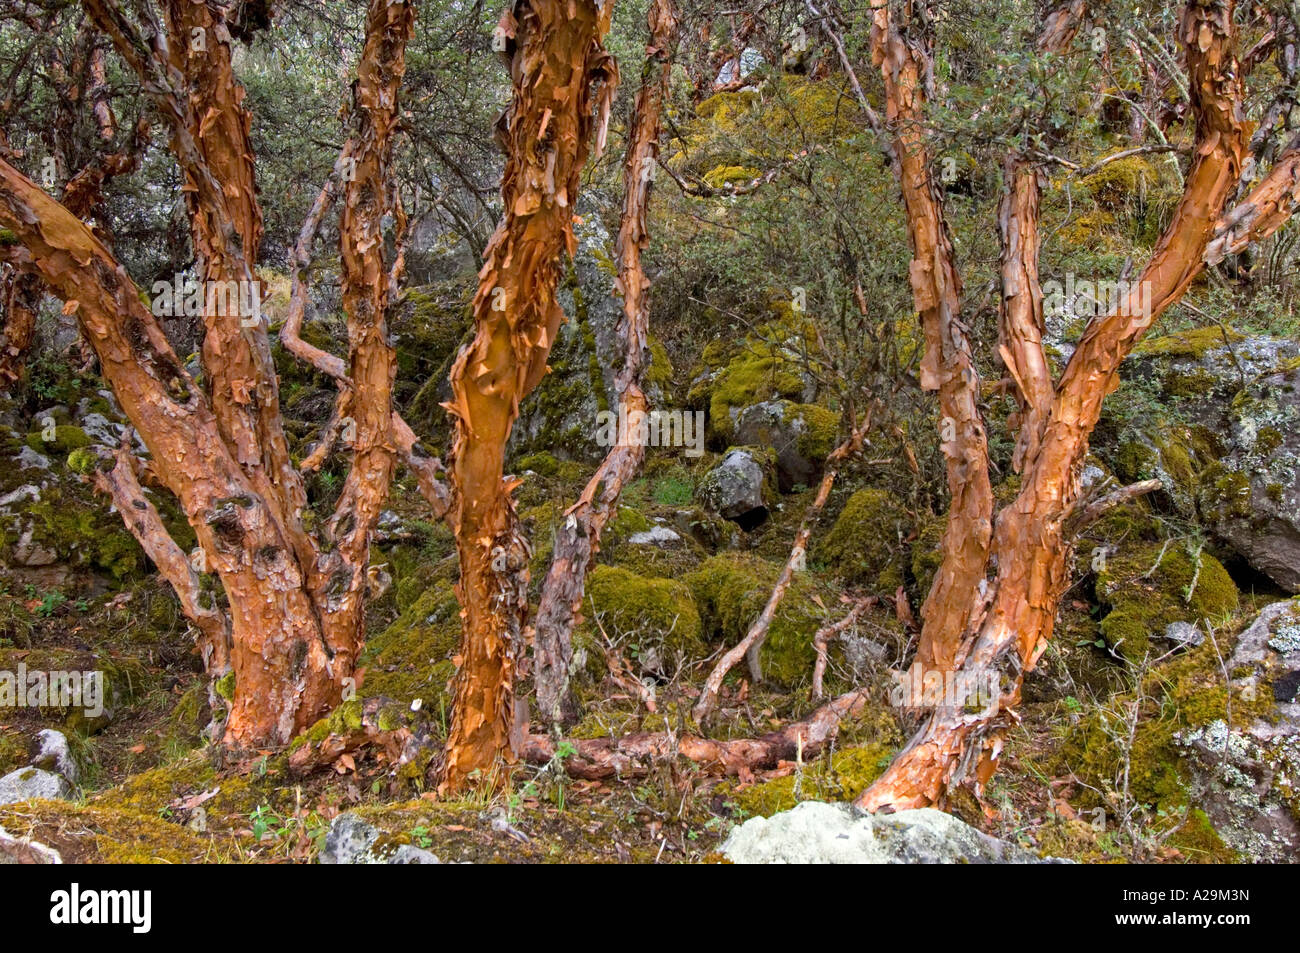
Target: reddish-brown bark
(947,367)
(292,628)
(1032,544)
(556,60)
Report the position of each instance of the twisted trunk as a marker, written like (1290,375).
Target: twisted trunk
(555,56)
(1031,545)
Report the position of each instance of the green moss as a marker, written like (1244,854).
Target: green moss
(411,658)
(1268,439)
(82,460)
(1193,343)
(66,439)
(542,463)
(647,610)
(1147,591)
(73,525)
(660,372)
(843,777)
(8,237)
(822,427)
(1134,461)
(927,554)
(731,590)
(722,176)
(225,686)
(865,544)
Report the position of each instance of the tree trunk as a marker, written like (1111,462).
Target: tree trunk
(947,366)
(291,629)
(1031,546)
(578,539)
(555,56)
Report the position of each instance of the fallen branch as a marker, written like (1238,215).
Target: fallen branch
(826,633)
(636,755)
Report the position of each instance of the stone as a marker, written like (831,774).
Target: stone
(28,784)
(51,753)
(1243,777)
(1184,633)
(734,489)
(351,840)
(787,429)
(22,850)
(654,536)
(815,832)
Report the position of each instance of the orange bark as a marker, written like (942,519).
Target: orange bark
(947,366)
(293,626)
(1031,544)
(556,58)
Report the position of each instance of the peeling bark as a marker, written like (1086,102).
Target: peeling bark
(1032,545)
(556,59)
(21,294)
(1020,315)
(577,540)
(947,367)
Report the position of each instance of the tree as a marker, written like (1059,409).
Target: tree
(556,61)
(1003,624)
(283,641)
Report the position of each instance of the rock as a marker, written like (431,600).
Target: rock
(101,431)
(1184,633)
(1222,436)
(801,435)
(734,489)
(353,841)
(655,536)
(27,784)
(560,416)
(814,832)
(30,554)
(29,459)
(51,753)
(28,491)
(21,850)
(1244,777)
(1252,497)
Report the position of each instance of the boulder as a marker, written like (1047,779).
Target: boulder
(27,784)
(814,832)
(50,752)
(1251,499)
(352,840)
(801,435)
(734,489)
(1223,437)
(1244,777)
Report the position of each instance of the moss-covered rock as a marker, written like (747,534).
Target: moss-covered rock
(412,657)
(866,543)
(1154,585)
(654,620)
(731,590)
